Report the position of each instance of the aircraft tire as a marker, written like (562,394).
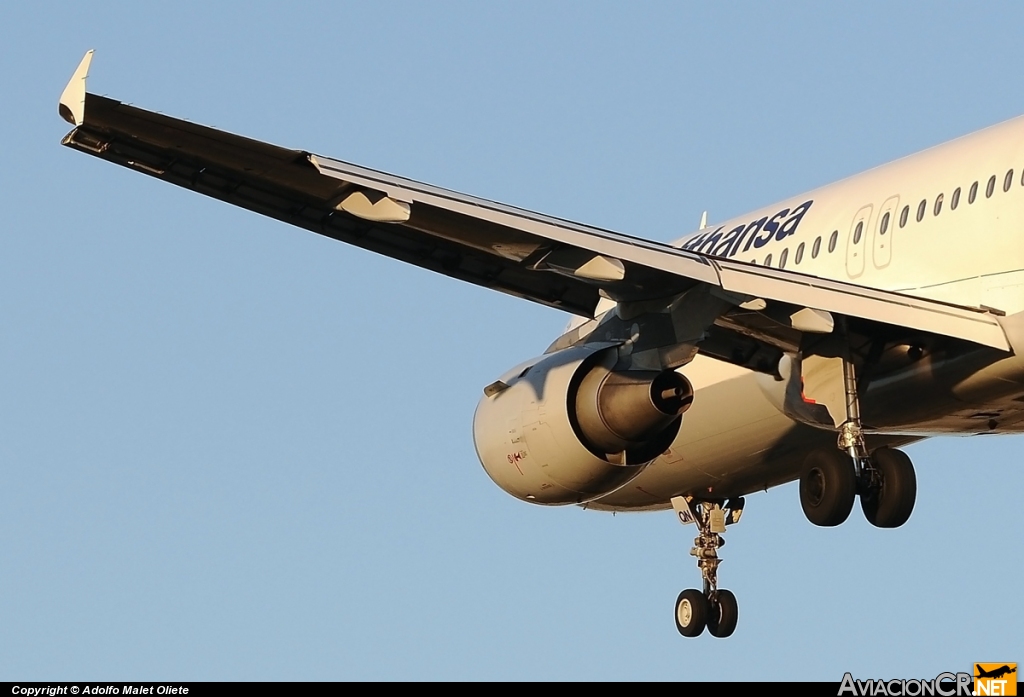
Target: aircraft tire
(724,614)
(692,611)
(890,505)
(828,487)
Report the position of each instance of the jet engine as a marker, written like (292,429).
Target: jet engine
(567,427)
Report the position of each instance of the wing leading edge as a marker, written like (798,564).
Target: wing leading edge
(544,259)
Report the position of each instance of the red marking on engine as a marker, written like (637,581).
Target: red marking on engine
(514,458)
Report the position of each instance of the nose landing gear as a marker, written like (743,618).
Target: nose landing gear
(713,608)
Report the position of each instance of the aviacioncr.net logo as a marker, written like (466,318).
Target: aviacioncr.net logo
(995,679)
(943,685)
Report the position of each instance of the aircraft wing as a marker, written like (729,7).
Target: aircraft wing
(548,260)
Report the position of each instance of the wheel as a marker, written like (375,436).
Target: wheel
(828,487)
(724,613)
(692,610)
(890,503)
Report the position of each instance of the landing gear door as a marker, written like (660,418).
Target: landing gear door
(886,226)
(857,243)
(815,392)
(683,506)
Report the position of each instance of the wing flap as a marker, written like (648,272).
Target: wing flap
(789,287)
(866,303)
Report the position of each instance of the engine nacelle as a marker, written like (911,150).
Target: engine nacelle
(567,428)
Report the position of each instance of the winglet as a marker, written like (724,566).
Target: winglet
(703,220)
(72,99)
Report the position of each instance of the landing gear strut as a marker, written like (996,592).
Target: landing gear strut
(714,607)
(884,479)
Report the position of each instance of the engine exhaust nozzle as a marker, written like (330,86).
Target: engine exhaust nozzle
(620,411)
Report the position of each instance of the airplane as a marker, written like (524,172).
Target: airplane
(804,341)
(996,673)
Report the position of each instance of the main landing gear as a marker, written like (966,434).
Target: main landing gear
(832,479)
(714,608)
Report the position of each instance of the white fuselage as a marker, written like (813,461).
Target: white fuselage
(946,224)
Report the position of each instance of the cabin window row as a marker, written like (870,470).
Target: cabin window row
(799,255)
(954,201)
(883,226)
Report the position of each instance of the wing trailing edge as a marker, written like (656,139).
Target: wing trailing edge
(548,260)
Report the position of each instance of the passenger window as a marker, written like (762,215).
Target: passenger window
(955,201)
(857,232)
(920,209)
(799,254)
(973,193)
(904,215)
(990,187)
(885,224)
(816,248)
(768,260)
(938,204)
(832,241)
(1008,182)
(783,257)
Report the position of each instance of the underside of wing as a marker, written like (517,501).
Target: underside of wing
(286,185)
(547,260)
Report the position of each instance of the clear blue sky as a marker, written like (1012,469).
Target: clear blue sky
(230,449)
